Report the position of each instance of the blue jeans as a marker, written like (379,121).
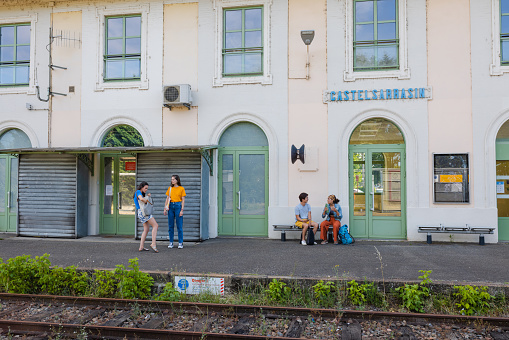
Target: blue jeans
(173,214)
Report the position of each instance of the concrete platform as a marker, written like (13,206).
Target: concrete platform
(456,262)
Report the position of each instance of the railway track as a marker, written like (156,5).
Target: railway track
(40,316)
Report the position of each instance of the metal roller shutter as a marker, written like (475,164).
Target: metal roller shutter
(47,195)
(156,169)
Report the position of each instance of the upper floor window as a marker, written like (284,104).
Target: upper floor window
(376,40)
(504,32)
(243,41)
(14,54)
(122,57)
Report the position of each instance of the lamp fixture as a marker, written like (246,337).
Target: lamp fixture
(307,37)
(297,154)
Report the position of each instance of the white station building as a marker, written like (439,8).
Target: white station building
(401,107)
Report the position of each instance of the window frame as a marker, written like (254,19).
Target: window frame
(125,56)
(497,68)
(15,62)
(465,184)
(102,14)
(375,42)
(29,88)
(244,52)
(264,78)
(402,71)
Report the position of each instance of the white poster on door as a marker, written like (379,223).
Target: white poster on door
(109,190)
(500,187)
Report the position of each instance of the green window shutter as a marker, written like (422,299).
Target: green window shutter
(14,54)
(376,35)
(243,41)
(122,50)
(504,32)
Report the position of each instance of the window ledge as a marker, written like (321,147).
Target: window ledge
(498,70)
(264,80)
(141,85)
(400,74)
(16,90)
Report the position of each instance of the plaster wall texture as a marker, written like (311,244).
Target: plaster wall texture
(66,111)
(307,114)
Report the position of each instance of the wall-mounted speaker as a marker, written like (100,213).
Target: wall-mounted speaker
(297,154)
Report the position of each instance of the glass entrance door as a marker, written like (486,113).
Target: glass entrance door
(503,196)
(377,192)
(243,193)
(8,193)
(118,183)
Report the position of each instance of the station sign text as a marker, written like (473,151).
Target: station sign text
(382,94)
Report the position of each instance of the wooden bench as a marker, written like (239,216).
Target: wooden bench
(429,229)
(292,227)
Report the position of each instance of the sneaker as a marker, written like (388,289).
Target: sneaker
(315,243)
(170,245)
(181,246)
(303,243)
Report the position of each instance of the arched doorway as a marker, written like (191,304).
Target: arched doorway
(243,181)
(377,181)
(118,182)
(10,139)
(502,185)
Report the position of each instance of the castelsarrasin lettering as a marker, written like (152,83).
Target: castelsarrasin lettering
(381,94)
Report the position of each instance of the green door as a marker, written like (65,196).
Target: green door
(118,183)
(243,191)
(377,191)
(8,193)
(502,185)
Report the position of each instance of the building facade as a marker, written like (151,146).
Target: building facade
(401,108)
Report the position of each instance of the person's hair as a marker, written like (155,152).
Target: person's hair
(178,180)
(139,187)
(333,198)
(303,196)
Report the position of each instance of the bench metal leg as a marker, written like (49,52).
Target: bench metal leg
(283,235)
(481,239)
(428,238)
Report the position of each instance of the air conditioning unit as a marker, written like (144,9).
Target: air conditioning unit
(177,95)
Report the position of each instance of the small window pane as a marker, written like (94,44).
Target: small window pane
(132,68)
(377,131)
(23,53)
(233,40)
(6,75)
(504,5)
(253,19)
(23,34)
(363,11)
(387,56)
(253,39)
(243,134)
(115,46)
(14,138)
(22,74)
(504,24)
(365,57)
(115,28)
(387,31)
(505,51)
(232,63)
(364,32)
(7,35)
(133,45)
(6,53)
(386,10)
(233,20)
(253,63)
(114,69)
(133,27)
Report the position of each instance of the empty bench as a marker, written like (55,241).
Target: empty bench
(428,229)
(292,227)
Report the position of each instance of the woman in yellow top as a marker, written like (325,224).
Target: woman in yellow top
(174,207)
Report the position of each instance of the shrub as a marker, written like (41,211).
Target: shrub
(169,293)
(21,274)
(414,296)
(322,291)
(472,300)
(278,291)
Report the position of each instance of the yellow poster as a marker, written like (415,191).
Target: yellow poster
(451,178)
